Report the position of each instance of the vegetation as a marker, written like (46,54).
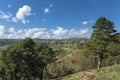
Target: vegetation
(106,73)
(42,59)
(8,42)
(25,60)
(103,43)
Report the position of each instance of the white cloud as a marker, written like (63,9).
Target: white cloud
(11,30)
(9,6)
(47,9)
(43,33)
(50,5)
(22,13)
(2,30)
(85,31)
(87,22)
(4,15)
(58,33)
(35,32)
(79,33)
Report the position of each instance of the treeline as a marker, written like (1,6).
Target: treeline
(8,42)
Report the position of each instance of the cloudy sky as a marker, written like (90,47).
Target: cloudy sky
(54,19)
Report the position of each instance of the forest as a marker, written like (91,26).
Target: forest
(54,59)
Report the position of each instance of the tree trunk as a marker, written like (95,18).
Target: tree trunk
(99,63)
(41,75)
(115,61)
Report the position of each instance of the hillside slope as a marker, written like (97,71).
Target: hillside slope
(106,73)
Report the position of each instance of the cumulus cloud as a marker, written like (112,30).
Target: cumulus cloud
(79,33)
(5,16)
(2,30)
(35,32)
(7,32)
(87,22)
(47,9)
(22,13)
(58,33)
(42,33)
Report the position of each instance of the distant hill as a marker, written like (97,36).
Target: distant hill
(78,38)
(8,42)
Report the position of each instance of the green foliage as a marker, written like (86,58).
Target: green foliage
(101,50)
(28,60)
(103,26)
(100,41)
(67,50)
(107,73)
(72,63)
(111,73)
(25,60)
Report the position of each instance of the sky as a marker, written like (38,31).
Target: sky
(54,19)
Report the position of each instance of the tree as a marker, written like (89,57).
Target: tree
(15,59)
(26,60)
(114,46)
(103,30)
(44,56)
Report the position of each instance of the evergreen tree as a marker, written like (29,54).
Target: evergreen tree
(113,48)
(103,30)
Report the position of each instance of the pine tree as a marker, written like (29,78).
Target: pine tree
(101,36)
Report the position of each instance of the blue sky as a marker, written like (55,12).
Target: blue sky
(56,19)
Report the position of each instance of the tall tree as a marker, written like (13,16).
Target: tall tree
(103,30)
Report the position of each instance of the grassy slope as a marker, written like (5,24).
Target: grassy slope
(107,73)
